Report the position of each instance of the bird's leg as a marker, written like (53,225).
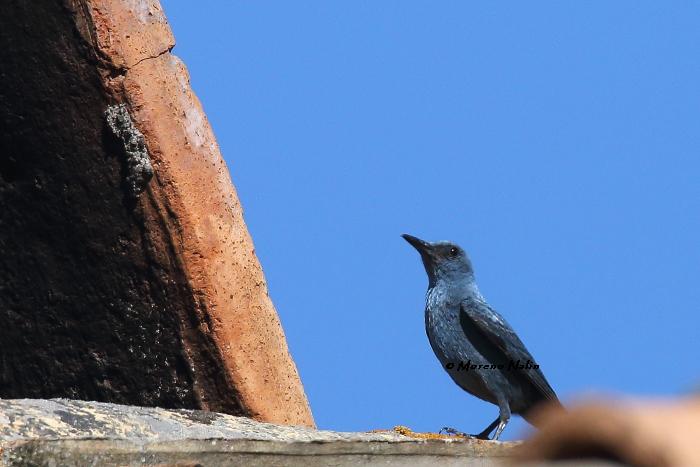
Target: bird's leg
(487,431)
(483,435)
(503,418)
(499,430)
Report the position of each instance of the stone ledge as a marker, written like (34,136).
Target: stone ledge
(62,432)
(69,432)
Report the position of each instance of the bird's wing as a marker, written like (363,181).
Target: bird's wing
(496,340)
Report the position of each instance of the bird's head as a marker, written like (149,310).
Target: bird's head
(442,260)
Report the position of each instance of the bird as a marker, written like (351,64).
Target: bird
(475,345)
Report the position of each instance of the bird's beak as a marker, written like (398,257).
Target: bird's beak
(422,246)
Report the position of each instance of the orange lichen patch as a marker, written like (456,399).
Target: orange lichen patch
(406,431)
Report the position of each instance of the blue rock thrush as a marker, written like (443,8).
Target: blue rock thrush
(475,345)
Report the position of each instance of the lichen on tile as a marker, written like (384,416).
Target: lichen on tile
(138,163)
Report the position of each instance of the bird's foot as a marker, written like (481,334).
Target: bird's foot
(452,431)
(406,431)
(447,430)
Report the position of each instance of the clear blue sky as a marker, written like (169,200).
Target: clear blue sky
(557,142)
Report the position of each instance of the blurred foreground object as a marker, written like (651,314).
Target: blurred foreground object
(641,433)
(127,273)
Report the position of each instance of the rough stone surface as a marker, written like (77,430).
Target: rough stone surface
(206,226)
(156,300)
(91,301)
(75,433)
(124,32)
(64,432)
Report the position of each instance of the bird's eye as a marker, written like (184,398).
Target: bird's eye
(454,251)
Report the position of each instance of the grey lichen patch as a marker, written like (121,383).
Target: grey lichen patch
(138,164)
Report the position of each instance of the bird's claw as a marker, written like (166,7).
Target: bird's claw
(451,431)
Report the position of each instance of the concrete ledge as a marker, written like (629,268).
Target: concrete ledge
(62,432)
(68,432)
